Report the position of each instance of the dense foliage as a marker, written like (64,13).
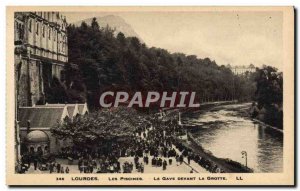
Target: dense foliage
(101,127)
(269,83)
(100,61)
(106,62)
(269,95)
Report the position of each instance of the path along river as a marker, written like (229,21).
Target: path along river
(225,133)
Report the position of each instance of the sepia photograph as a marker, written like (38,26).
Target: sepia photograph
(157,95)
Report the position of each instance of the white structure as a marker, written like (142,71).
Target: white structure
(73,109)
(239,70)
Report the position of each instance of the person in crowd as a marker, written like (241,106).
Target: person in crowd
(35,163)
(177,160)
(165,165)
(189,159)
(58,166)
(67,170)
(142,168)
(181,159)
(254,111)
(51,168)
(170,161)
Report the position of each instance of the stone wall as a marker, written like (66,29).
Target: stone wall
(36,81)
(29,81)
(40,38)
(22,81)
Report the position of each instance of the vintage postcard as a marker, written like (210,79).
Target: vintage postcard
(150,96)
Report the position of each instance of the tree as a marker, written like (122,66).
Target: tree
(95,25)
(56,92)
(101,127)
(121,38)
(269,83)
(135,42)
(83,25)
(114,62)
(269,94)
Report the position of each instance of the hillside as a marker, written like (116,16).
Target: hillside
(115,22)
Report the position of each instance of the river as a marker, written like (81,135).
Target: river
(225,133)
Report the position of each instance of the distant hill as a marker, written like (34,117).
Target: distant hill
(115,22)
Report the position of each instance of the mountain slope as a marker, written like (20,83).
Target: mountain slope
(115,22)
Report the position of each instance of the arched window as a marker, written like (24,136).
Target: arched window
(49,33)
(31,150)
(40,151)
(22,32)
(46,149)
(37,28)
(29,25)
(62,76)
(43,31)
(54,35)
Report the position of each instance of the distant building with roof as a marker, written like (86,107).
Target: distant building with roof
(239,70)
(35,123)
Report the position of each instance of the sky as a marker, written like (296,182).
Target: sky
(236,38)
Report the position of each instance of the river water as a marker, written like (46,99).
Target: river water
(226,134)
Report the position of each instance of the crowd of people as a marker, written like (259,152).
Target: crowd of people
(41,163)
(154,144)
(55,167)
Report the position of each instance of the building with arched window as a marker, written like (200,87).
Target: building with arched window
(34,124)
(41,51)
(37,141)
(34,127)
(240,70)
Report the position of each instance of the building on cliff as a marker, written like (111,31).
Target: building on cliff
(41,51)
(240,70)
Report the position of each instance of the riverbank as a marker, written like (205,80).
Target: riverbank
(225,165)
(267,126)
(244,112)
(210,162)
(227,130)
(205,158)
(207,105)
